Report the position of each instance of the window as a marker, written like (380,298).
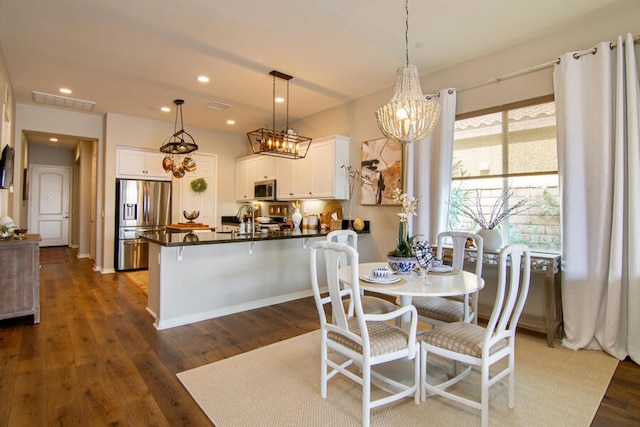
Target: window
(511,149)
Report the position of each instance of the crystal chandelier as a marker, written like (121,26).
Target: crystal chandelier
(279,143)
(176,146)
(408,116)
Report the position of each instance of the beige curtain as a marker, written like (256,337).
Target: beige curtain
(433,157)
(597,104)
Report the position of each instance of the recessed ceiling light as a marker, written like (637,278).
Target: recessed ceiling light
(203,79)
(65,90)
(231,122)
(53,139)
(279,99)
(165,109)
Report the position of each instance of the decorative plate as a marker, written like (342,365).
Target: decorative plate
(441,269)
(385,281)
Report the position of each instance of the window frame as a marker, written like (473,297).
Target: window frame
(505,177)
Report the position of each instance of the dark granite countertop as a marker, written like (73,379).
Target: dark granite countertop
(169,238)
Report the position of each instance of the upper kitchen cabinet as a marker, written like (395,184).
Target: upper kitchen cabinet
(319,175)
(251,169)
(266,168)
(246,169)
(140,164)
(185,198)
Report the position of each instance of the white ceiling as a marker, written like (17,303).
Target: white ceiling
(132,57)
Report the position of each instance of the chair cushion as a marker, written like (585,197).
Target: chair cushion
(374,305)
(438,308)
(465,338)
(383,337)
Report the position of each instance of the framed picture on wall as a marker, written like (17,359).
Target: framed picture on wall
(381,171)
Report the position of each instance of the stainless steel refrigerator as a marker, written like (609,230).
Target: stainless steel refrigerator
(140,206)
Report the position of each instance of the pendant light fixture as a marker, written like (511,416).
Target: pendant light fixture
(176,146)
(279,143)
(408,116)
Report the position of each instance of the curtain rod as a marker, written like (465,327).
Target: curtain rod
(535,68)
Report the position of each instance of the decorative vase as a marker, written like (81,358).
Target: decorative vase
(492,239)
(402,265)
(358,224)
(296,217)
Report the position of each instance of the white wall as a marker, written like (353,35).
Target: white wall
(357,119)
(7,101)
(50,156)
(83,211)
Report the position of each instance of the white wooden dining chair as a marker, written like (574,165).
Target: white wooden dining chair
(438,310)
(482,347)
(366,340)
(370,304)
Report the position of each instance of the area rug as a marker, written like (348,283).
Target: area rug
(139,279)
(54,255)
(279,385)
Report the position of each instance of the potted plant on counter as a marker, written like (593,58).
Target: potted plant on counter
(7,227)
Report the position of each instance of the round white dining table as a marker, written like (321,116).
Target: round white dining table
(456,282)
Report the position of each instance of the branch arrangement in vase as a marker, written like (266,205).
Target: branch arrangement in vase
(498,212)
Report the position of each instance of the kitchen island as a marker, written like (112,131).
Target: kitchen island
(205,274)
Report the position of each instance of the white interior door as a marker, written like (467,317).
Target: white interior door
(49,204)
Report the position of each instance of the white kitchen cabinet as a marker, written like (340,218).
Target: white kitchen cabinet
(140,164)
(266,168)
(246,169)
(185,199)
(251,169)
(319,175)
(302,178)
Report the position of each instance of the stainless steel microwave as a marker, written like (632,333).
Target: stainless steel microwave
(265,190)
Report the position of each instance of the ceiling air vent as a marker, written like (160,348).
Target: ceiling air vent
(218,105)
(62,101)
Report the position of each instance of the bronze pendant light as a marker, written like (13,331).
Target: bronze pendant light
(176,145)
(279,143)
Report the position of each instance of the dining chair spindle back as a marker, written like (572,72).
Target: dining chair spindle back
(482,347)
(366,340)
(370,303)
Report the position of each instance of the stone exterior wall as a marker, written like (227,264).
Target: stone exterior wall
(538,226)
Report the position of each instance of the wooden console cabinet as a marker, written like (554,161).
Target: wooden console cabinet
(20,277)
(544,264)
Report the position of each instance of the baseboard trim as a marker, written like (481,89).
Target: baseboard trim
(224,311)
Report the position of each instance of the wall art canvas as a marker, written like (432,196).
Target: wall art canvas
(381,171)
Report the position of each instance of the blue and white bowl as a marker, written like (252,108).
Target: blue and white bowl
(380,272)
(401,265)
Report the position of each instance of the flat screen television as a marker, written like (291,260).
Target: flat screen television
(6,167)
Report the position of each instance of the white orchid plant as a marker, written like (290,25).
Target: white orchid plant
(409,205)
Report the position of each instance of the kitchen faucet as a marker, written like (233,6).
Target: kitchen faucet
(253,220)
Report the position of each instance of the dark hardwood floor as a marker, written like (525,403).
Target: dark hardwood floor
(96,360)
